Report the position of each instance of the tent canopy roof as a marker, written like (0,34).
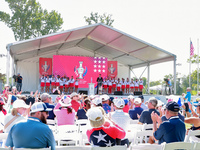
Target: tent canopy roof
(97,40)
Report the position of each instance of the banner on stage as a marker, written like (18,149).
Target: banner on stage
(112,69)
(86,69)
(45,66)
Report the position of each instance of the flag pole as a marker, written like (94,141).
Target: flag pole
(197,66)
(190,66)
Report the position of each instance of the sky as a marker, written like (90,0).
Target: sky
(168,24)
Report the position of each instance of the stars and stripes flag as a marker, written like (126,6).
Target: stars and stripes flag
(191,49)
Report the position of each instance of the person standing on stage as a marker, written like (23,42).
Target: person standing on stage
(118,84)
(127,85)
(67,85)
(140,84)
(109,86)
(105,85)
(132,86)
(47,84)
(99,83)
(42,84)
(114,82)
(53,83)
(57,81)
(19,82)
(123,85)
(76,85)
(136,83)
(71,85)
(170,86)
(61,84)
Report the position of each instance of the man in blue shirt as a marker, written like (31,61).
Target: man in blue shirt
(105,101)
(170,86)
(133,113)
(187,99)
(33,133)
(172,130)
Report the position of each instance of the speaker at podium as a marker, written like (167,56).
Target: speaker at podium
(137,93)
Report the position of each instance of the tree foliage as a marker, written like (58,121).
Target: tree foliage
(194,59)
(29,20)
(96,18)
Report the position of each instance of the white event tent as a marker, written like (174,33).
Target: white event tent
(97,40)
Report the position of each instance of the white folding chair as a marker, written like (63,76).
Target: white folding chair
(3,136)
(178,145)
(51,122)
(146,146)
(109,148)
(32,148)
(147,126)
(142,136)
(73,147)
(134,121)
(4,148)
(191,137)
(196,146)
(80,123)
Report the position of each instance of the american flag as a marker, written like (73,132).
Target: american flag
(191,49)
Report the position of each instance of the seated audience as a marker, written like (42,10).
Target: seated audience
(75,103)
(81,113)
(137,110)
(105,103)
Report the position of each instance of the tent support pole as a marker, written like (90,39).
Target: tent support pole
(142,73)
(174,74)
(129,72)
(148,78)
(12,71)
(132,71)
(8,64)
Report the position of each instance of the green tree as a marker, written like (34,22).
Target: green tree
(96,18)
(29,20)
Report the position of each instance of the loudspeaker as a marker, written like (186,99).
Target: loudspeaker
(118,93)
(83,92)
(137,93)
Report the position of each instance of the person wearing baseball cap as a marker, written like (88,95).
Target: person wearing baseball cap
(172,130)
(133,113)
(105,102)
(33,133)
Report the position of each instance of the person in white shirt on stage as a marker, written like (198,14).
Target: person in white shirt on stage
(123,85)
(67,85)
(61,84)
(71,84)
(127,85)
(136,84)
(42,84)
(76,85)
(118,84)
(53,83)
(58,81)
(114,82)
(105,85)
(47,84)
(140,84)
(109,86)
(132,86)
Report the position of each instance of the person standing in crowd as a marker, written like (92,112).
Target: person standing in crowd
(81,113)
(45,99)
(114,82)
(76,85)
(132,86)
(140,84)
(19,82)
(99,135)
(99,84)
(118,84)
(71,84)
(146,114)
(34,133)
(17,115)
(53,83)
(105,85)
(169,131)
(127,85)
(133,113)
(105,102)
(187,99)
(170,86)
(42,83)
(120,118)
(65,114)
(136,83)
(75,103)
(47,84)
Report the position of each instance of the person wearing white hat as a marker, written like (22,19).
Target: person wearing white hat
(121,118)
(65,114)
(97,102)
(18,110)
(33,133)
(75,103)
(105,101)
(137,110)
(100,135)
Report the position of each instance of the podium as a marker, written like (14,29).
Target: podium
(91,89)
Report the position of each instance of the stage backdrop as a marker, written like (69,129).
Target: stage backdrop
(112,69)
(85,68)
(45,66)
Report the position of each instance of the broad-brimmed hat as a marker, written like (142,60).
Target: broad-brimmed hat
(39,106)
(94,114)
(65,101)
(73,94)
(20,103)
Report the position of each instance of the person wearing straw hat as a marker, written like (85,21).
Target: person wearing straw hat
(65,114)
(100,135)
(33,133)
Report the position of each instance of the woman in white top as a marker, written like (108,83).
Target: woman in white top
(47,83)
(118,84)
(58,81)
(114,82)
(53,83)
(123,85)
(105,85)
(140,84)
(67,85)
(42,84)
(132,86)
(136,85)
(76,85)
(61,84)
(109,86)
(71,84)
(127,85)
